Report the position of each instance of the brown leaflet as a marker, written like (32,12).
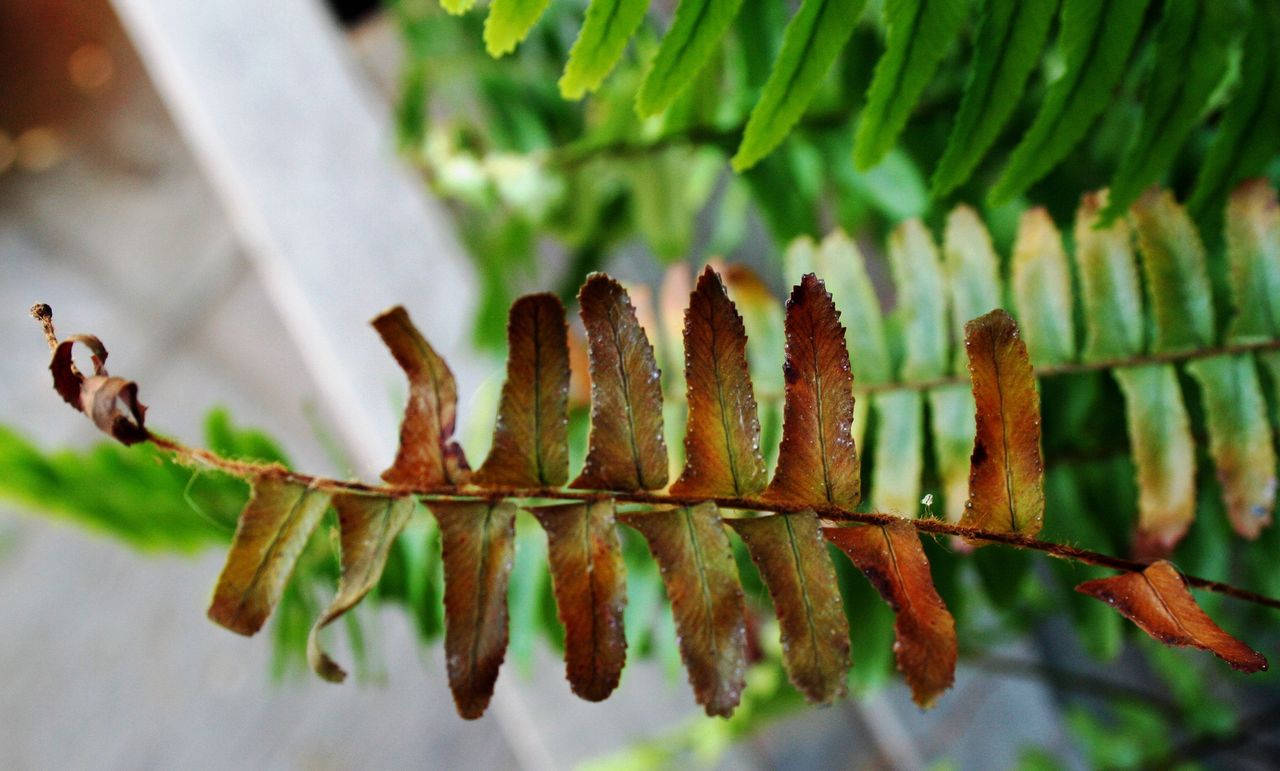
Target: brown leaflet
(793,561)
(696,560)
(99,396)
(427,455)
(368,527)
(626,450)
(817,462)
(531,439)
(893,560)
(478,546)
(1157,600)
(722,442)
(1006,476)
(589,580)
(273,530)
(579,371)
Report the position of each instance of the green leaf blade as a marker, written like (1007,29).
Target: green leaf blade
(1042,290)
(920,32)
(697,28)
(1193,40)
(1096,37)
(1246,138)
(921,311)
(1173,263)
(608,26)
(810,44)
(899,453)
(1253,254)
(509,22)
(1109,288)
(456,7)
(972,271)
(1240,439)
(1164,452)
(1010,41)
(843,266)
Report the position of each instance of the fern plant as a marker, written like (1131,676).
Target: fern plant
(844,113)
(1095,39)
(815,490)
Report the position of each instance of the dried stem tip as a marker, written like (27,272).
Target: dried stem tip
(44,314)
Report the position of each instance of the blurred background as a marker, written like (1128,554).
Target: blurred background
(226,192)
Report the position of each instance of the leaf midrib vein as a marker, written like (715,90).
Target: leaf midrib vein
(276,539)
(626,398)
(482,593)
(803,581)
(720,398)
(696,548)
(1004,439)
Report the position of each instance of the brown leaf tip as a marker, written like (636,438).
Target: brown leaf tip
(601,286)
(811,296)
(810,286)
(533,303)
(998,321)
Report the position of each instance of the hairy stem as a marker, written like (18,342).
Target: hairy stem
(204,458)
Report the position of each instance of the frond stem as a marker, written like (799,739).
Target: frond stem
(834,514)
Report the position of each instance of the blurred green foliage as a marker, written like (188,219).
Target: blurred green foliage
(529,170)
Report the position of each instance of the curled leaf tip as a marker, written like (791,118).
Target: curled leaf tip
(110,402)
(367,527)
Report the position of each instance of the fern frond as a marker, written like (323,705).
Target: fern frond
(816,487)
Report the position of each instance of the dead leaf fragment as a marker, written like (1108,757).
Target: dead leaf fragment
(894,562)
(722,443)
(531,439)
(367,528)
(817,461)
(1006,477)
(1158,601)
(110,402)
(626,449)
(696,560)
(478,546)
(793,561)
(270,536)
(428,456)
(589,581)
